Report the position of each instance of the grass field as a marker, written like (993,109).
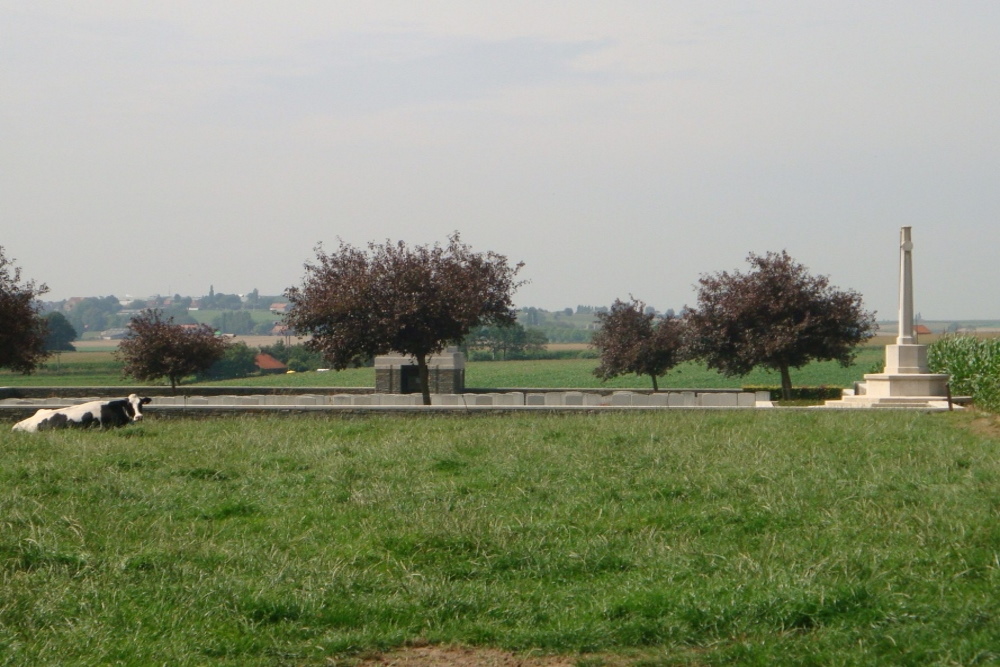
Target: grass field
(760,537)
(97,367)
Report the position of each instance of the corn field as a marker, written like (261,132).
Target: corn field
(974,366)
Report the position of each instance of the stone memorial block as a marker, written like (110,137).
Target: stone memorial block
(510,398)
(659,400)
(557,398)
(398,374)
(621,398)
(718,400)
(682,399)
(534,399)
(446,399)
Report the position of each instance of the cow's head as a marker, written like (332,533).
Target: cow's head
(134,407)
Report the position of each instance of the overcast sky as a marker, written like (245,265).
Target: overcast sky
(615,148)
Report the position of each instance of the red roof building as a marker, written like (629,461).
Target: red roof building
(268,364)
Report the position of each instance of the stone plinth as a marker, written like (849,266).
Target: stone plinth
(925,385)
(398,374)
(905,359)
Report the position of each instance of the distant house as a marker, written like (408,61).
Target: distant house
(281,330)
(268,364)
(922,330)
(278,308)
(114,334)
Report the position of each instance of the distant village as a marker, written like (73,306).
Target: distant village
(257,314)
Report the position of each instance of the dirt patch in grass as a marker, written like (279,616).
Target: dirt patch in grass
(986,424)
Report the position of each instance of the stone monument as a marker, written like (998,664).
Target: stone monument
(397,374)
(905,381)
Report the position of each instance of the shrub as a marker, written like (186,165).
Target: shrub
(974,366)
(821,393)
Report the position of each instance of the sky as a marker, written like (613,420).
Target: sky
(617,149)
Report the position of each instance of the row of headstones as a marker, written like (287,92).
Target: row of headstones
(732,399)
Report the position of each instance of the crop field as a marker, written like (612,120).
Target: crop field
(760,537)
(83,368)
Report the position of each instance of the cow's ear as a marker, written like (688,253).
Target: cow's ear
(145,400)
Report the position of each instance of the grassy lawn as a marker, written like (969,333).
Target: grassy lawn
(759,537)
(579,373)
(92,368)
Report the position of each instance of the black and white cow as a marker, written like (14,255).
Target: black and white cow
(105,414)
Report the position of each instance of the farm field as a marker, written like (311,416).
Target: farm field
(98,367)
(762,537)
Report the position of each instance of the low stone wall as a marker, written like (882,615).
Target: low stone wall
(19,408)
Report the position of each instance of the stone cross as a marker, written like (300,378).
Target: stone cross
(906,336)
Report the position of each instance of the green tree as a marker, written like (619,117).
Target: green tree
(357,304)
(499,340)
(238,322)
(22,330)
(94,314)
(511,341)
(631,339)
(238,361)
(777,316)
(535,340)
(155,348)
(532,316)
(61,333)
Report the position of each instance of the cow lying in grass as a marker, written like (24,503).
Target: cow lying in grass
(105,414)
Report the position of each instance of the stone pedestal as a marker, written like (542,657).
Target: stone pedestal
(905,359)
(397,374)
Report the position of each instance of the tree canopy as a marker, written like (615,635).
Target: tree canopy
(357,303)
(22,330)
(155,348)
(777,316)
(61,333)
(508,341)
(632,339)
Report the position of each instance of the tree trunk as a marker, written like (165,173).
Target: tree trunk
(786,383)
(173,385)
(425,384)
(656,387)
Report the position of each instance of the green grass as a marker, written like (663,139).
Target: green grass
(578,373)
(763,537)
(99,368)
